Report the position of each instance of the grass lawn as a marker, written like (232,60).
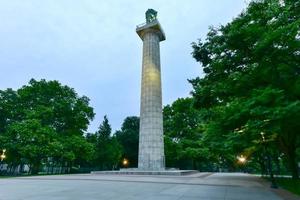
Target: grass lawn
(289,184)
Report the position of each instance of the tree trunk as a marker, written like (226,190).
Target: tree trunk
(277,163)
(289,149)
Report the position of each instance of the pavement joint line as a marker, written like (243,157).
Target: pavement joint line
(109,180)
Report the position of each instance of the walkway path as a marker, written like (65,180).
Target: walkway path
(206,186)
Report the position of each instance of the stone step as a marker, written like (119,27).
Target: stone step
(137,172)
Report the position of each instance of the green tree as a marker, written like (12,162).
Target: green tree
(104,129)
(183,136)
(8,108)
(128,137)
(40,120)
(108,150)
(251,83)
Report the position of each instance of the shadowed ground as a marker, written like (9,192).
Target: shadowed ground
(206,186)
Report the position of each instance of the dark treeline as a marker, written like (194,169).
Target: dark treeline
(246,105)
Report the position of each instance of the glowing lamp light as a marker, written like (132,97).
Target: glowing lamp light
(242,159)
(3,156)
(125,162)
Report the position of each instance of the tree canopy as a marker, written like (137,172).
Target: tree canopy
(252,83)
(108,149)
(184,148)
(128,137)
(44,121)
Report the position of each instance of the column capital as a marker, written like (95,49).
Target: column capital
(153,26)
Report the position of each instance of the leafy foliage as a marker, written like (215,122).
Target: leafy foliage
(44,120)
(108,149)
(128,137)
(184,145)
(252,82)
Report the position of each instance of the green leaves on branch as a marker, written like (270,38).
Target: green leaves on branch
(251,82)
(44,120)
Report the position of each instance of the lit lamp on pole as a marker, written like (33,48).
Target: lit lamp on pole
(3,156)
(125,162)
(242,159)
(269,162)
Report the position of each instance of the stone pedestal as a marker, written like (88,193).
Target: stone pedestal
(151,143)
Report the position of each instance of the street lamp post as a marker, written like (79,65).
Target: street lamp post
(242,161)
(269,162)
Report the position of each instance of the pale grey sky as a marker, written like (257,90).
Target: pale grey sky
(91,45)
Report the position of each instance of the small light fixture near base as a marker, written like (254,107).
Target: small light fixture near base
(125,162)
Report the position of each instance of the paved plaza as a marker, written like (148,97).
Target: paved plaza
(206,186)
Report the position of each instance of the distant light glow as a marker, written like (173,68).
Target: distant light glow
(125,162)
(263,136)
(242,159)
(3,156)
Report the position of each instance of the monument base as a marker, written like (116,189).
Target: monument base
(136,171)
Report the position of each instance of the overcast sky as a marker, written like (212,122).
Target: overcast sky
(91,45)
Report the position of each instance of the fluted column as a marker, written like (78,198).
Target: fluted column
(151,144)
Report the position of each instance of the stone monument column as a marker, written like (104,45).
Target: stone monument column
(151,143)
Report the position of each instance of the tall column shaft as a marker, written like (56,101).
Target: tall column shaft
(151,144)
